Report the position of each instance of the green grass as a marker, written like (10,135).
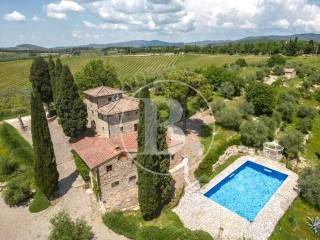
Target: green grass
(214,148)
(167,226)
(293,225)
(39,203)
(16,149)
(313,146)
(226,164)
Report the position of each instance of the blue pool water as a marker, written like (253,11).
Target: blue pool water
(246,190)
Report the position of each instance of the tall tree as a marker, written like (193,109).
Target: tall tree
(165,181)
(95,73)
(148,192)
(45,167)
(183,87)
(57,75)
(52,69)
(71,110)
(40,79)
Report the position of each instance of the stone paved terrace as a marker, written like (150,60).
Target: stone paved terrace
(198,212)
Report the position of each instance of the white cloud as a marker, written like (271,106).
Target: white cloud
(58,10)
(79,35)
(105,26)
(248,25)
(15,16)
(282,23)
(35,19)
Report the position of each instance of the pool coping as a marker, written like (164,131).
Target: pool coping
(199,212)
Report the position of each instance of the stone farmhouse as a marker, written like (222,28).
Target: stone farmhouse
(111,153)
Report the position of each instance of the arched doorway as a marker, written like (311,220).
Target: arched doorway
(93,125)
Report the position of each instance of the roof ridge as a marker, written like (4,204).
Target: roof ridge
(99,90)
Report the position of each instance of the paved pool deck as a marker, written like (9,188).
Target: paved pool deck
(199,212)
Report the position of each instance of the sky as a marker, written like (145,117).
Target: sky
(51,23)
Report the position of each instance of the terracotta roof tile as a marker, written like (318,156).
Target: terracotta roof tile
(102,91)
(125,104)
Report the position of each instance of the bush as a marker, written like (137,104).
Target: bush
(246,109)
(131,228)
(241,62)
(316,95)
(204,171)
(217,105)
(262,97)
(17,192)
(306,112)
(7,167)
(278,70)
(254,133)
(292,141)
(309,185)
(229,118)
(82,167)
(64,228)
(39,203)
(227,90)
(276,59)
(305,125)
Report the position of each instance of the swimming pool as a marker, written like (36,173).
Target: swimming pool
(246,190)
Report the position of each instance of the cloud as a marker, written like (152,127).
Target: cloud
(15,16)
(80,35)
(282,23)
(35,19)
(59,10)
(105,26)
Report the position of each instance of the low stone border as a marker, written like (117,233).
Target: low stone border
(199,212)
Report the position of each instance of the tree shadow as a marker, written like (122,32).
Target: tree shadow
(65,184)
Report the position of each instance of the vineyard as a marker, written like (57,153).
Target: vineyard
(15,85)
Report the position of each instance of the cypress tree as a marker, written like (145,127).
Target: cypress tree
(52,66)
(165,180)
(148,189)
(56,83)
(40,79)
(71,110)
(45,167)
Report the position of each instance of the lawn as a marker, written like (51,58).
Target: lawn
(167,226)
(293,225)
(312,148)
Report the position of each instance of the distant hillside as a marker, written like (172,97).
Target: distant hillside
(27,47)
(305,36)
(158,43)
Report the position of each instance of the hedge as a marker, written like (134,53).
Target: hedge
(130,228)
(204,171)
(82,167)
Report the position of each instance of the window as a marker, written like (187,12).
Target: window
(109,168)
(121,129)
(132,178)
(109,99)
(114,184)
(135,127)
(92,112)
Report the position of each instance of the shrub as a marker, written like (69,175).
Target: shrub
(316,95)
(241,62)
(305,125)
(133,229)
(254,133)
(204,171)
(229,118)
(314,225)
(227,90)
(82,167)
(292,141)
(278,70)
(246,109)
(262,97)
(305,111)
(309,185)
(64,228)
(17,192)
(39,203)
(7,167)
(276,59)
(217,105)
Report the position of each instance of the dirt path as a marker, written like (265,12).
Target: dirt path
(20,224)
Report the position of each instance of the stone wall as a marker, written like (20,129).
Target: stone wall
(118,182)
